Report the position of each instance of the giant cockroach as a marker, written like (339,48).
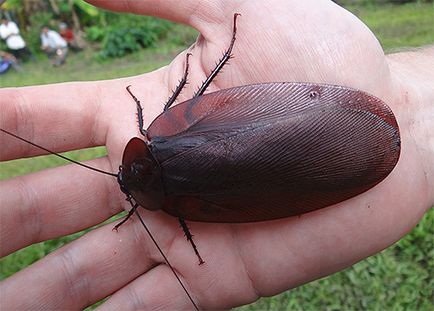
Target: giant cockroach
(258,152)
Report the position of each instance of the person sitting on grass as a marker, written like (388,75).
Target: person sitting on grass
(16,45)
(70,38)
(7,61)
(54,46)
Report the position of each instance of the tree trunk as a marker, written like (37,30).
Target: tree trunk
(75,19)
(54,7)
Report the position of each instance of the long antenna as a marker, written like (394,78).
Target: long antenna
(59,155)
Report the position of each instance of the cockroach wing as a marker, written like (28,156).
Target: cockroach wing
(274,150)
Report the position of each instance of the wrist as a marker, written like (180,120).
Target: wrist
(413,81)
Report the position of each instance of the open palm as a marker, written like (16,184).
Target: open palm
(314,41)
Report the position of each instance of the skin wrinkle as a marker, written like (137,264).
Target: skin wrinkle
(137,302)
(95,124)
(406,99)
(106,198)
(84,290)
(29,211)
(193,18)
(81,287)
(21,110)
(139,235)
(91,119)
(413,128)
(108,183)
(297,262)
(421,149)
(111,197)
(94,119)
(239,250)
(67,268)
(206,20)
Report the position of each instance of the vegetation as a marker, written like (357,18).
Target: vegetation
(86,66)
(398,26)
(113,34)
(399,278)
(128,33)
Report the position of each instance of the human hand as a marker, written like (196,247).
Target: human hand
(314,41)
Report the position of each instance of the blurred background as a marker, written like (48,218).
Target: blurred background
(104,45)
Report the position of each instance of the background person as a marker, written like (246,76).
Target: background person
(54,46)
(69,36)
(11,34)
(7,61)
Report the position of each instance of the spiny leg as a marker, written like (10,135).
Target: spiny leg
(130,213)
(189,237)
(221,63)
(139,113)
(180,86)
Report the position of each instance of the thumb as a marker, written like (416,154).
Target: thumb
(196,13)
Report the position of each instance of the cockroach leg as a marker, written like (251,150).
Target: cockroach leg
(139,113)
(180,86)
(221,63)
(130,213)
(189,237)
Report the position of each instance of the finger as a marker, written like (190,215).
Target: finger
(86,270)
(55,202)
(192,12)
(60,117)
(155,290)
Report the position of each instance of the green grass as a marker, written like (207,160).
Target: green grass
(399,278)
(397,26)
(84,66)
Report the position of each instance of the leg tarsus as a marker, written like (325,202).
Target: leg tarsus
(130,213)
(189,237)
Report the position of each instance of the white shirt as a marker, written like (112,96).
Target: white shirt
(53,40)
(10,31)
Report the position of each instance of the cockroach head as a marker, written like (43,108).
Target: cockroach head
(139,175)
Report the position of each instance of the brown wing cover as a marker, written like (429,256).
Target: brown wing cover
(274,150)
